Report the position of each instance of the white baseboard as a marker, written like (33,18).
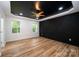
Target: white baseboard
(20,39)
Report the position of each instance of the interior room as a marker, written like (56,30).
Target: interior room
(39,28)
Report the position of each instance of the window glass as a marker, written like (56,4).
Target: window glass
(15,26)
(34,27)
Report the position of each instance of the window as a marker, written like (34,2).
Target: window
(34,27)
(15,26)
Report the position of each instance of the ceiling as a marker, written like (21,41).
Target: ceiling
(6,7)
(25,8)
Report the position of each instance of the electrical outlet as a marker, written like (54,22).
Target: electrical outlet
(70,39)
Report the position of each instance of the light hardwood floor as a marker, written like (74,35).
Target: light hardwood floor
(39,47)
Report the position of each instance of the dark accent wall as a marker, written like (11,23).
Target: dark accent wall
(62,28)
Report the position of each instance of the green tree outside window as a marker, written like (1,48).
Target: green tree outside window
(15,26)
(34,27)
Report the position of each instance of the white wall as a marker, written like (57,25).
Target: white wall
(2,39)
(2,27)
(25,29)
(26,24)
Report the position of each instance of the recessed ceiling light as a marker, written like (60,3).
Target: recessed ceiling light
(21,14)
(60,8)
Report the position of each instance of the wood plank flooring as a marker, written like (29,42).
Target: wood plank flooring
(39,47)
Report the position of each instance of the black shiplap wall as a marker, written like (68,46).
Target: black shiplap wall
(62,28)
